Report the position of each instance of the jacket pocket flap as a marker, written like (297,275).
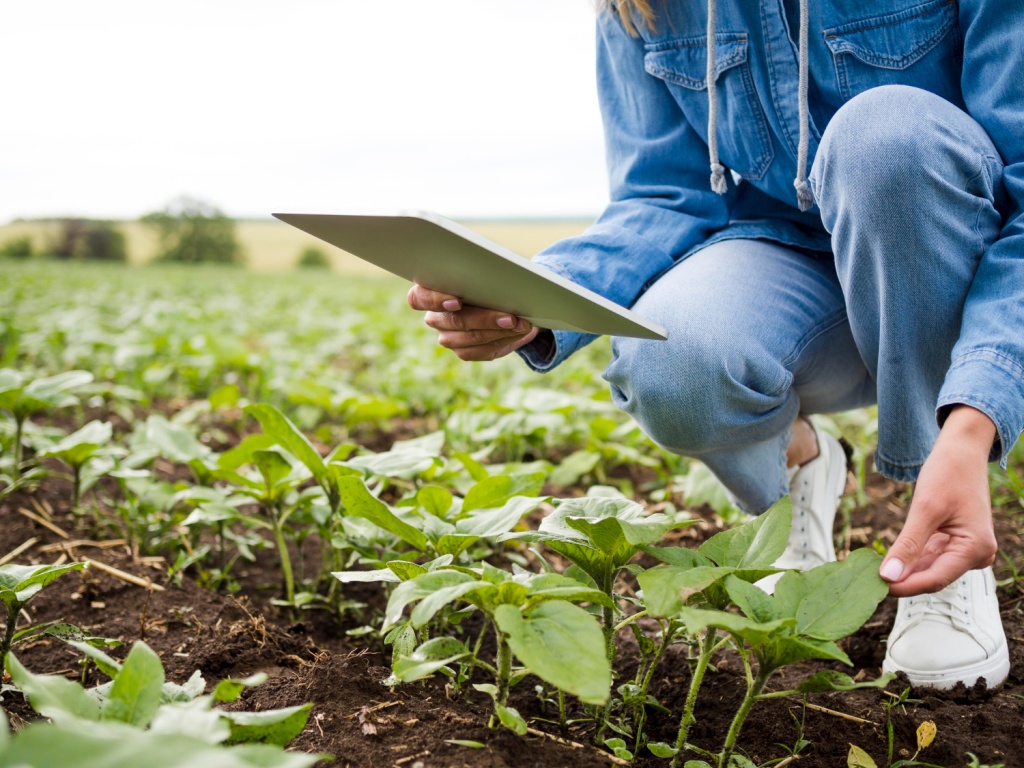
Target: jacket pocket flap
(684,61)
(894,40)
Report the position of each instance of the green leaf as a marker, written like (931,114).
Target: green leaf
(667,587)
(680,556)
(552,633)
(496,491)
(755,544)
(382,575)
(271,726)
(231,688)
(430,657)
(20,583)
(436,500)
(359,502)
(494,522)
(751,600)
(833,680)
(422,586)
(136,693)
(288,436)
(661,749)
(554,586)
(756,633)
(791,649)
(511,719)
(574,466)
(242,453)
(466,743)
(842,596)
(858,758)
(51,696)
(103,662)
(272,466)
(78,447)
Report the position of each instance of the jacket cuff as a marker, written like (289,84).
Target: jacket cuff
(993,384)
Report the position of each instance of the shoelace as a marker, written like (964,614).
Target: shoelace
(953,602)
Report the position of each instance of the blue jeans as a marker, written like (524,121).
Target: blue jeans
(910,188)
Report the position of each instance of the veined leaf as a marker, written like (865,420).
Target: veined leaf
(751,600)
(497,491)
(552,633)
(842,596)
(359,502)
(51,696)
(430,657)
(667,587)
(288,436)
(755,544)
(756,633)
(137,690)
(421,587)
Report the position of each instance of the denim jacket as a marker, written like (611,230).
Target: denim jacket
(654,103)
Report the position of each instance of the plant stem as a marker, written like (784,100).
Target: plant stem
(76,470)
(12,622)
(504,667)
(608,625)
(561,710)
(19,425)
(753,691)
(282,547)
(707,647)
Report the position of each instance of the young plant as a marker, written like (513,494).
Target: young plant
(23,399)
(138,719)
(77,450)
(746,553)
(808,612)
(535,619)
(18,585)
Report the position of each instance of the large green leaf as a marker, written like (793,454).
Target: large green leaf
(288,436)
(754,632)
(554,586)
(842,596)
(20,583)
(138,688)
(422,586)
(755,544)
(359,502)
(668,587)
(563,645)
(270,726)
(496,491)
(751,600)
(40,394)
(52,696)
(112,745)
(792,648)
(490,523)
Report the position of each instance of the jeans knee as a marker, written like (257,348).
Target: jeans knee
(892,140)
(696,396)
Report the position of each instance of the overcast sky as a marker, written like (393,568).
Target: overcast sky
(467,107)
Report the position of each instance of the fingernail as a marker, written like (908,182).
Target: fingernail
(452,305)
(523,325)
(505,321)
(891,570)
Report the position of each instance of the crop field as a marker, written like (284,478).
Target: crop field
(259,519)
(269,245)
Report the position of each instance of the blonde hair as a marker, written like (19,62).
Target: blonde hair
(633,9)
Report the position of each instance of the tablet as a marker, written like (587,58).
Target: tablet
(444,256)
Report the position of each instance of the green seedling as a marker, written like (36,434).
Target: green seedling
(138,710)
(808,612)
(745,553)
(78,449)
(23,399)
(535,619)
(18,585)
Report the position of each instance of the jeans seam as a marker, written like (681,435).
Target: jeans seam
(835,319)
(987,353)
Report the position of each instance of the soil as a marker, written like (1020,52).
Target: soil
(365,724)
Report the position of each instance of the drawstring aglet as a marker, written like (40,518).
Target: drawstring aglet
(718,178)
(804,197)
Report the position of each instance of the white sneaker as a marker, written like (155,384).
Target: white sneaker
(952,636)
(815,489)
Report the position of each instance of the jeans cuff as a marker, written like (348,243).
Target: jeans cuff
(992,383)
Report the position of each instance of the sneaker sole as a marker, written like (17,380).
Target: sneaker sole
(994,670)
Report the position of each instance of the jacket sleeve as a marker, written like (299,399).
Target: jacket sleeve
(661,204)
(987,370)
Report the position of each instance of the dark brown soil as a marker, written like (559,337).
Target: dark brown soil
(363,723)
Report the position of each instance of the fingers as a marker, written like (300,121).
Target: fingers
(494,349)
(941,572)
(426,300)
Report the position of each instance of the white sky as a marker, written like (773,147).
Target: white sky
(465,107)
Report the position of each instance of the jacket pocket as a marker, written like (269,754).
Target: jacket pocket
(918,46)
(743,140)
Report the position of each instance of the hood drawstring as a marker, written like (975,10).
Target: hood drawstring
(717,169)
(804,197)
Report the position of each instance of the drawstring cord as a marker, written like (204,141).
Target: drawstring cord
(804,197)
(717,169)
